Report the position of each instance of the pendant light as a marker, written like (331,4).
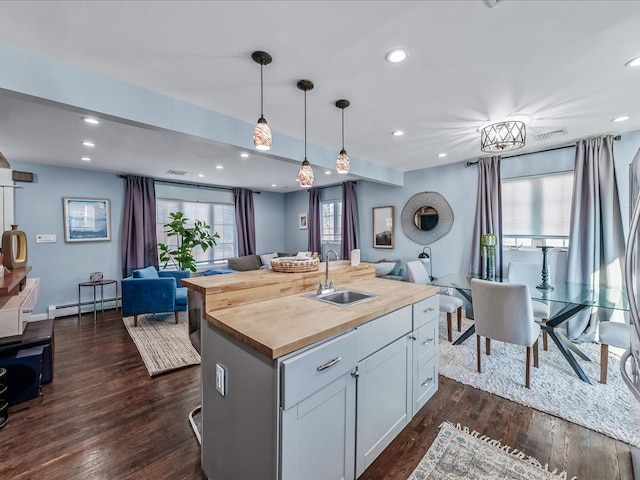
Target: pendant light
(342,163)
(262,133)
(305,175)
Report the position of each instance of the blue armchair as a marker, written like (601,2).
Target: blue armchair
(152,291)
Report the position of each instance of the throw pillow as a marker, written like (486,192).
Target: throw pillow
(266,259)
(384,268)
(245,263)
(149,272)
(397,270)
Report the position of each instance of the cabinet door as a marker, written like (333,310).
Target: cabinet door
(384,400)
(318,434)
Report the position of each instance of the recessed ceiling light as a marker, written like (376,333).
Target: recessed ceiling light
(219,167)
(327,172)
(633,63)
(201,175)
(397,133)
(620,119)
(442,155)
(396,55)
(85,159)
(91,120)
(273,185)
(88,143)
(244,155)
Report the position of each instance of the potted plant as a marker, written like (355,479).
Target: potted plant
(189,237)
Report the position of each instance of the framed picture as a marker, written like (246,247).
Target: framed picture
(383,234)
(87,219)
(303,221)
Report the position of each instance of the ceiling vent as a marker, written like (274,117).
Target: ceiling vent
(548,135)
(176,172)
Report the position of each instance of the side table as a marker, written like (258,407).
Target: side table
(101,284)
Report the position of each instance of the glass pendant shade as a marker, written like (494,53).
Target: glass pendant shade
(305,175)
(503,136)
(262,135)
(342,163)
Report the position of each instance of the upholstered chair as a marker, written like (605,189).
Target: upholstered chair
(615,334)
(448,304)
(530,273)
(151,291)
(503,312)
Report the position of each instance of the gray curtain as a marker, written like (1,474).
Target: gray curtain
(349,219)
(315,242)
(488,212)
(139,247)
(245,221)
(596,240)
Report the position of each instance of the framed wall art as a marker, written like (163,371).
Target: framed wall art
(303,221)
(383,232)
(87,219)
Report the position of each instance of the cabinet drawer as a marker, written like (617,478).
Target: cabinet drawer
(308,372)
(425,383)
(425,311)
(424,345)
(380,332)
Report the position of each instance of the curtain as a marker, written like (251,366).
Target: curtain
(349,219)
(488,212)
(315,242)
(245,221)
(139,247)
(596,239)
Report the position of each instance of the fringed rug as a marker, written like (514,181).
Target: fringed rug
(555,388)
(163,344)
(459,453)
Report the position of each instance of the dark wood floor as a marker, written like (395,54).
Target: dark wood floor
(103,417)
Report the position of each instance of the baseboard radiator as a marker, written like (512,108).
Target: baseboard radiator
(68,309)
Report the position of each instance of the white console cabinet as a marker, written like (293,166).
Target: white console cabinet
(15,310)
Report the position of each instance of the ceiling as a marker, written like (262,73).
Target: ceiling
(560,64)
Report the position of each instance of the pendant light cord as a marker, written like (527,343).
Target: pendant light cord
(305,124)
(261,92)
(343,129)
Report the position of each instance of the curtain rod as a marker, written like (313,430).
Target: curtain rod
(185,184)
(337,184)
(617,137)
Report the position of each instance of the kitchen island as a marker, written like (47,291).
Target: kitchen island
(296,388)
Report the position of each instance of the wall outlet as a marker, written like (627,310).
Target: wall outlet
(45,238)
(221,379)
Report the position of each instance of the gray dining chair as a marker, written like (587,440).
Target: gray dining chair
(530,273)
(611,334)
(417,273)
(503,312)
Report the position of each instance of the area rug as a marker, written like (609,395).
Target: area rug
(555,389)
(459,453)
(163,344)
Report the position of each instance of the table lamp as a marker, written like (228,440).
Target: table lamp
(425,258)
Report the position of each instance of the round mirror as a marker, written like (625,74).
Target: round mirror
(426,218)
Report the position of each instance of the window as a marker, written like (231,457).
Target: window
(220,216)
(331,222)
(536,210)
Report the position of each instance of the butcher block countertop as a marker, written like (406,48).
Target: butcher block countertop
(284,321)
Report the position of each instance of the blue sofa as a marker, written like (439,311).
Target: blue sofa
(148,290)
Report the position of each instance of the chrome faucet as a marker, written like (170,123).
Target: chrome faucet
(328,285)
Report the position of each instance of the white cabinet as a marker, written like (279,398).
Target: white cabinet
(319,411)
(425,352)
(15,310)
(384,400)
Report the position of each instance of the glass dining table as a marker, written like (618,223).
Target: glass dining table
(571,298)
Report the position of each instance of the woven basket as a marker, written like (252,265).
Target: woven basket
(294,264)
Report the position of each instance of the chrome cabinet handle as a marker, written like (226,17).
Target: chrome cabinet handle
(427,382)
(427,310)
(329,364)
(429,340)
(412,337)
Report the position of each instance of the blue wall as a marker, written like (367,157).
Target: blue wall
(61,266)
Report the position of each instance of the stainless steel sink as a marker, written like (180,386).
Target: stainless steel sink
(342,298)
